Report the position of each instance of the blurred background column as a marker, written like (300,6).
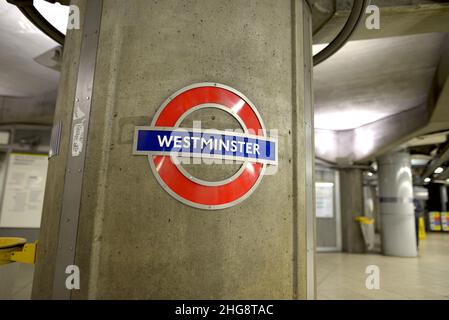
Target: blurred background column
(396,205)
(352,206)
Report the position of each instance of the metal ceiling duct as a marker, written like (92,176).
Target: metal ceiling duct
(437,162)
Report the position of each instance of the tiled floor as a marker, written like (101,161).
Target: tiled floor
(342,276)
(339,275)
(16,281)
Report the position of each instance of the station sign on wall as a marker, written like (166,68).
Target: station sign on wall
(165,142)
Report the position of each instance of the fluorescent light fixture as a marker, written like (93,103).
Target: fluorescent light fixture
(439,170)
(324,184)
(417,161)
(427,180)
(56,14)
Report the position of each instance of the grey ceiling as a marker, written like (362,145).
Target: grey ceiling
(366,81)
(369,80)
(21,42)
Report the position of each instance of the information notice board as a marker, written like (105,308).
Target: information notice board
(435,221)
(324,199)
(24,191)
(445,221)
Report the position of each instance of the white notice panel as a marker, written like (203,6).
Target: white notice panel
(4,137)
(24,191)
(324,199)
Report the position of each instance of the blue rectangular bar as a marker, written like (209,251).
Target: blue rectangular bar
(200,143)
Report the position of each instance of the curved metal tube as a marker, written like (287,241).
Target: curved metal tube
(356,15)
(42,24)
(357,12)
(32,14)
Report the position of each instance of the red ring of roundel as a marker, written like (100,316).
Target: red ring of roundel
(180,184)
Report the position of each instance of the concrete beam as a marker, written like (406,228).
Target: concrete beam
(395,21)
(443,175)
(380,137)
(28,110)
(367,142)
(440,112)
(436,162)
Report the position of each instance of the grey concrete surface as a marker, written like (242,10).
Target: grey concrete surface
(21,76)
(366,142)
(135,240)
(31,110)
(372,79)
(396,21)
(43,283)
(30,234)
(351,184)
(383,95)
(401,83)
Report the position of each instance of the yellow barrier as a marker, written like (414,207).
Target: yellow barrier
(421,229)
(17,250)
(364,220)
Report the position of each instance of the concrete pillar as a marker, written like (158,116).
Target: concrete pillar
(133,239)
(443,196)
(371,205)
(352,206)
(396,205)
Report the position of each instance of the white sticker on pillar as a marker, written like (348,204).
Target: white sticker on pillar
(169,145)
(78,139)
(78,114)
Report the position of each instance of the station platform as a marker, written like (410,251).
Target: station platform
(342,276)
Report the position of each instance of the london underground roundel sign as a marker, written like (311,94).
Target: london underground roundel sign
(164,142)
